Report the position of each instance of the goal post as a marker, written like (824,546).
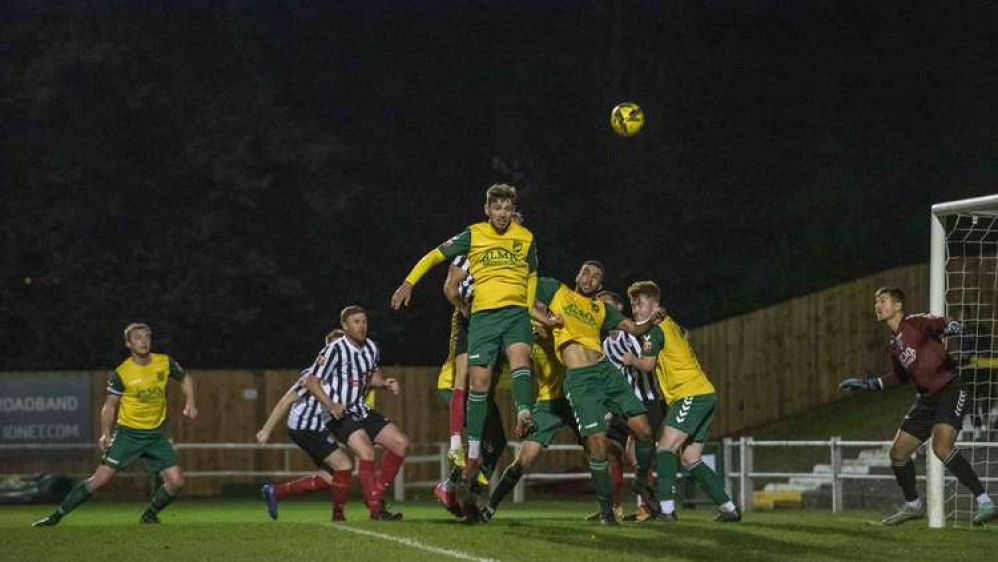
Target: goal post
(963,284)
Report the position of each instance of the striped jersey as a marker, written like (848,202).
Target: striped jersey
(347,370)
(614,347)
(307,414)
(467,287)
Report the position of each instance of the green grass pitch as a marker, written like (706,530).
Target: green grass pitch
(537,530)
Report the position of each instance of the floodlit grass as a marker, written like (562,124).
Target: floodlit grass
(240,530)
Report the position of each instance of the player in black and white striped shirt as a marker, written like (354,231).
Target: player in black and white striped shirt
(339,380)
(619,440)
(307,426)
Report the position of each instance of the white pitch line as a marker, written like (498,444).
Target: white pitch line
(416,544)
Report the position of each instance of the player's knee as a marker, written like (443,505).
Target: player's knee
(98,481)
(689,458)
(402,443)
(942,450)
(175,481)
(898,456)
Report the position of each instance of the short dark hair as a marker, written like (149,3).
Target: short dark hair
(595,264)
(349,311)
(892,292)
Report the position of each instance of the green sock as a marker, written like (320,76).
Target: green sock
(710,481)
(508,481)
(523,388)
(490,459)
(668,465)
(478,409)
(160,500)
(79,494)
(645,453)
(455,475)
(601,481)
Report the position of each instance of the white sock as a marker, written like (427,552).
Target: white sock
(916,503)
(728,506)
(983,499)
(667,506)
(474,449)
(641,502)
(455,441)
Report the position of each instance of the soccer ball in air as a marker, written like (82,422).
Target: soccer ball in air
(627,119)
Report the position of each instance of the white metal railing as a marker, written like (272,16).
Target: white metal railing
(744,475)
(746,461)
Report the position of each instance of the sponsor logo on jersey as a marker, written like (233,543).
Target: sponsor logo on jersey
(577,312)
(496,257)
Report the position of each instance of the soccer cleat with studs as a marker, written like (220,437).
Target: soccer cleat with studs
(647,495)
(641,515)
(664,517)
(986,512)
(904,513)
(50,521)
(618,512)
(270,498)
(724,516)
(149,518)
(608,518)
(384,515)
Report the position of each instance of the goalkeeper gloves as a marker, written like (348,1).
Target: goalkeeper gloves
(854,383)
(953,328)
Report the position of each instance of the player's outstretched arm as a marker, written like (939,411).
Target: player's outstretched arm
(642,328)
(279,412)
(540,314)
(857,383)
(404,292)
(378,380)
(108,414)
(187,387)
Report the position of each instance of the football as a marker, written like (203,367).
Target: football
(627,119)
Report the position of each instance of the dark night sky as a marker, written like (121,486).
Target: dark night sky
(234,173)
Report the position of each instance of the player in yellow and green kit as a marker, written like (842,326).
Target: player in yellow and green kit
(551,412)
(502,257)
(593,386)
(136,408)
(691,398)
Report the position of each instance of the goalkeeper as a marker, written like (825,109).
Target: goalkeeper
(919,355)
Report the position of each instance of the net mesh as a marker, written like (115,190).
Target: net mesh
(972,298)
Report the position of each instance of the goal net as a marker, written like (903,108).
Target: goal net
(964,287)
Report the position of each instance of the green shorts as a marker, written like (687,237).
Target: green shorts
(128,444)
(550,416)
(445,394)
(693,415)
(597,390)
(492,331)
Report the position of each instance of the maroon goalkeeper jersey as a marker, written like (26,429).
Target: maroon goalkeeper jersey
(919,355)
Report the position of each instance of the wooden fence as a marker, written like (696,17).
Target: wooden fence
(766,365)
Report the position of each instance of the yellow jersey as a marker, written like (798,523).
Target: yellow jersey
(585,319)
(501,264)
(548,371)
(677,368)
(142,389)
